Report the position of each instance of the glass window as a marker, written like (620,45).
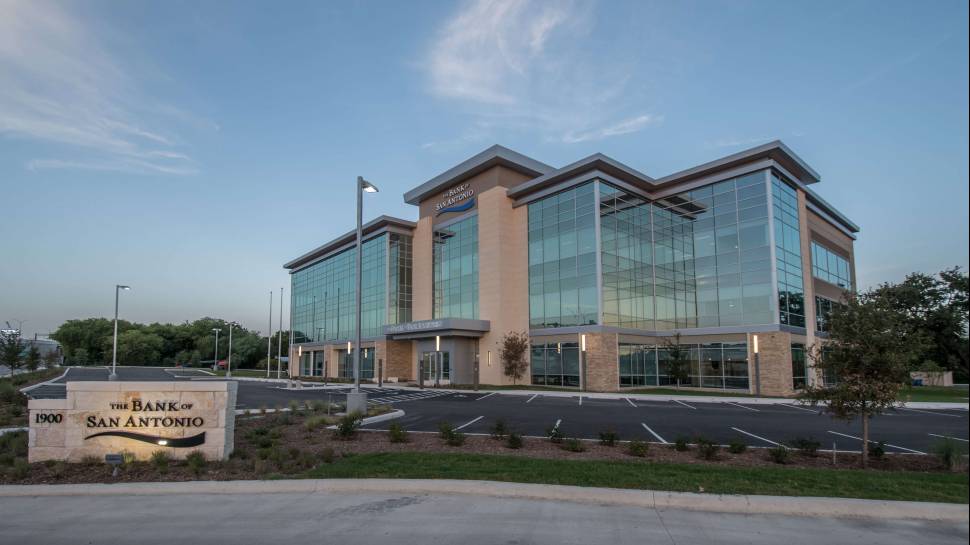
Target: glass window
(798,366)
(456,269)
(788,253)
(712,365)
(830,266)
(555,364)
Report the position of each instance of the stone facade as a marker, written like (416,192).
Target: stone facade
(62,429)
(397,359)
(775,362)
(602,353)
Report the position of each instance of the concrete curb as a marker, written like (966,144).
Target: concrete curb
(648,499)
(26,389)
(397,413)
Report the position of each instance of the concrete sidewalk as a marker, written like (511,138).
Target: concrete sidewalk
(659,500)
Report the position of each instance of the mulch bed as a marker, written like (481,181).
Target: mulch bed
(295,450)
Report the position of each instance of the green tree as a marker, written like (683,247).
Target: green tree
(80,357)
(11,348)
(32,361)
(678,359)
(135,347)
(514,347)
(937,307)
(52,358)
(869,352)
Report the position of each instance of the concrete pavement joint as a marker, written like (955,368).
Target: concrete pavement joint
(657,500)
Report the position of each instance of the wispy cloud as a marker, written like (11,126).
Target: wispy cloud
(523,65)
(62,86)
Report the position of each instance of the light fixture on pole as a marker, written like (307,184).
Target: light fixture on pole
(582,362)
(757,366)
(114,348)
(229,357)
(279,341)
(357,400)
(215,353)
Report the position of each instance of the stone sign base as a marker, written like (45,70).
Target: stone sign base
(139,418)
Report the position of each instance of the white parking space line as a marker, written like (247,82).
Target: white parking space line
(469,423)
(758,437)
(684,404)
(790,406)
(655,434)
(486,395)
(948,437)
(531,398)
(556,427)
(580,401)
(928,412)
(630,402)
(742,406)
(871,441)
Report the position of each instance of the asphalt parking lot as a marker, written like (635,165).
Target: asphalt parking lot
(904,430)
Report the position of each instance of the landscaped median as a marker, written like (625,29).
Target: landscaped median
(298,444)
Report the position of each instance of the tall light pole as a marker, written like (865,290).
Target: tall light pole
(357,400)
(269,334)
(757,367)
(215,353)
(114,348)
(279,340)
(229,359)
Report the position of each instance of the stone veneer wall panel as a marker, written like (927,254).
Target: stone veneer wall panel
(775,362)
(602,356)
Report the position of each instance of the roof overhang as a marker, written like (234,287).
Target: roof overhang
(443,327)
(369,230)
(493,156)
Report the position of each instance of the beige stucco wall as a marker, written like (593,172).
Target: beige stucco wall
(212,401)
(503,281)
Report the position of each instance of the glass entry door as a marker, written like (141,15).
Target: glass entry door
(437,367)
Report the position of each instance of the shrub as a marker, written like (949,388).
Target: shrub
(397,434)
(7,392)
(877,450)
(327,455)
(196,462)
(555,434)
(20,469)
(737,446)
(637,448)
(514,440)
(262,409)
(318,406)
(347,426)
(445,429)
(609,438)
(127,457)
(805,446)
(314,422)
(707,449)
(779,454)
(6,459)
(948,452)
(160,459)
(456,439)
(499,430)
(91,460)
(573,445)
(681,445)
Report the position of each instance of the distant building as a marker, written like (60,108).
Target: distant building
(599,263)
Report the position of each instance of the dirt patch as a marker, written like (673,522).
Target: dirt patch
(285,445)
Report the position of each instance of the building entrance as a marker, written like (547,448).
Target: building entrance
(437,367)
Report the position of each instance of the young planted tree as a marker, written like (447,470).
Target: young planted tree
(10,348)
(514,348)
(678,359)
(869,351)
(52,358)
(32,361)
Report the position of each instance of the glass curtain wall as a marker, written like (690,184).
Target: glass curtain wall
(555,364)
(456,269)
(345,368)
(562,259)
(323,295)
(626,236)
(788,254)
(399,278)
(830,266)
(712,365)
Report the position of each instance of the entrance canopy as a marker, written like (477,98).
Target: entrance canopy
(444,327)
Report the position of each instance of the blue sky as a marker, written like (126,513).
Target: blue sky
(190,148)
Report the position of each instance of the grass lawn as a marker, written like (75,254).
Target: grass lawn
(688,392)
(910,486)
(950,394)
(251,373)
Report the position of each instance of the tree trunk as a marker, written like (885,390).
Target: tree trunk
(865,440)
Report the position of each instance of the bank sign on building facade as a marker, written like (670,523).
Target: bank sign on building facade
(99,418)
(599,263)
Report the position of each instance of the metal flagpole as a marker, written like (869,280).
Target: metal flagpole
(269,335)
